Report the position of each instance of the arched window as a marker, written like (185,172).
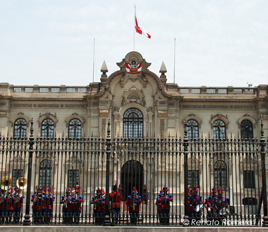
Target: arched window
(192,129)
(246,129)
(220,174)
(47,129)
(74,129)
(20,127)
(133,123)
(45,173)
(219,130)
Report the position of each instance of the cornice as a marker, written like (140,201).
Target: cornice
(47,99)
(220,100)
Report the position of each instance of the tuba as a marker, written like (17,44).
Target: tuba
(21,183)
(6,182)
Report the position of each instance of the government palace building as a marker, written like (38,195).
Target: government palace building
(149,133)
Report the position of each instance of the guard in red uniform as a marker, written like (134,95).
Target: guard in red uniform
(2,205)
(17,199)
(37,206)
(195,203)
(49,201)
(221,203)
(146,195)
(133,203)
(210,202)
(10,205)
(115,198)
(66,208)
(77,204)
(99,207)
(166,198)
(158,204)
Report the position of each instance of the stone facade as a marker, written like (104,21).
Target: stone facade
(164,106)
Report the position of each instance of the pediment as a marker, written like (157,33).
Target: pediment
(133,95)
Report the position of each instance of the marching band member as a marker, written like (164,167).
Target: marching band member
(210,202)
(146,195)
(99,206)
(17,199)
(194,200)
(133,203)
(77,204)
(2,205)
(158,203)
(163,205)
(115,197)
(9,204)
(221,203)
(49,201)
(44,204)
(66,208)
(37,204)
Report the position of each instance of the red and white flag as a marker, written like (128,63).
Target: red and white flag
(139,30)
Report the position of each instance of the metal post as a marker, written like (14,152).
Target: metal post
(185,145)
(27,212)
(264,192)
(108,153)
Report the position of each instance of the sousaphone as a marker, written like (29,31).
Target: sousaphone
(21,183)
(6,182)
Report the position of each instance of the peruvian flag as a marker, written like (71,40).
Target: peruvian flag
(139,30)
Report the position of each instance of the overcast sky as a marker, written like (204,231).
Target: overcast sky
(50,42)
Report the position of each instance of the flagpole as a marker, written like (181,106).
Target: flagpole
(93,57)
(174,57)
(134,28)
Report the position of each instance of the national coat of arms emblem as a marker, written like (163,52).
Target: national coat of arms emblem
(133,67)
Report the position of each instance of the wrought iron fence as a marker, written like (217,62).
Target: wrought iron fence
(123,181)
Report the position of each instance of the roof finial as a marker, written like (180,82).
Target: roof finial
(163,70)
(104,70)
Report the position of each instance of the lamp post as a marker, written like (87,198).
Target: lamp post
(27,221)
(108,153)
(264,192)
(185,145)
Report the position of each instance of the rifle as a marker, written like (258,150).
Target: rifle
(134,201)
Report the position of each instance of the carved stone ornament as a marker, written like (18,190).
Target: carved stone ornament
(143,80)
(133,95)
(162,113)
(104,113)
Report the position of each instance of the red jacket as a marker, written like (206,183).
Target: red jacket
(115,198)
(130,206)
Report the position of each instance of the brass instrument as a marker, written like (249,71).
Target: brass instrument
(6,182)
(1,200)
(134,201)
(96,202)
(17,199)
(21,183)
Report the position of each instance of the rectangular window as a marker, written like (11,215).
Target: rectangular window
(249,180)
(28,89)
(82,90)
(43,90)
(184,90)
(222,90)
(211,91)
(195,90)
(73,178)
(193,178)
(16,174)
(17,89)
(55,90)
(70,90)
